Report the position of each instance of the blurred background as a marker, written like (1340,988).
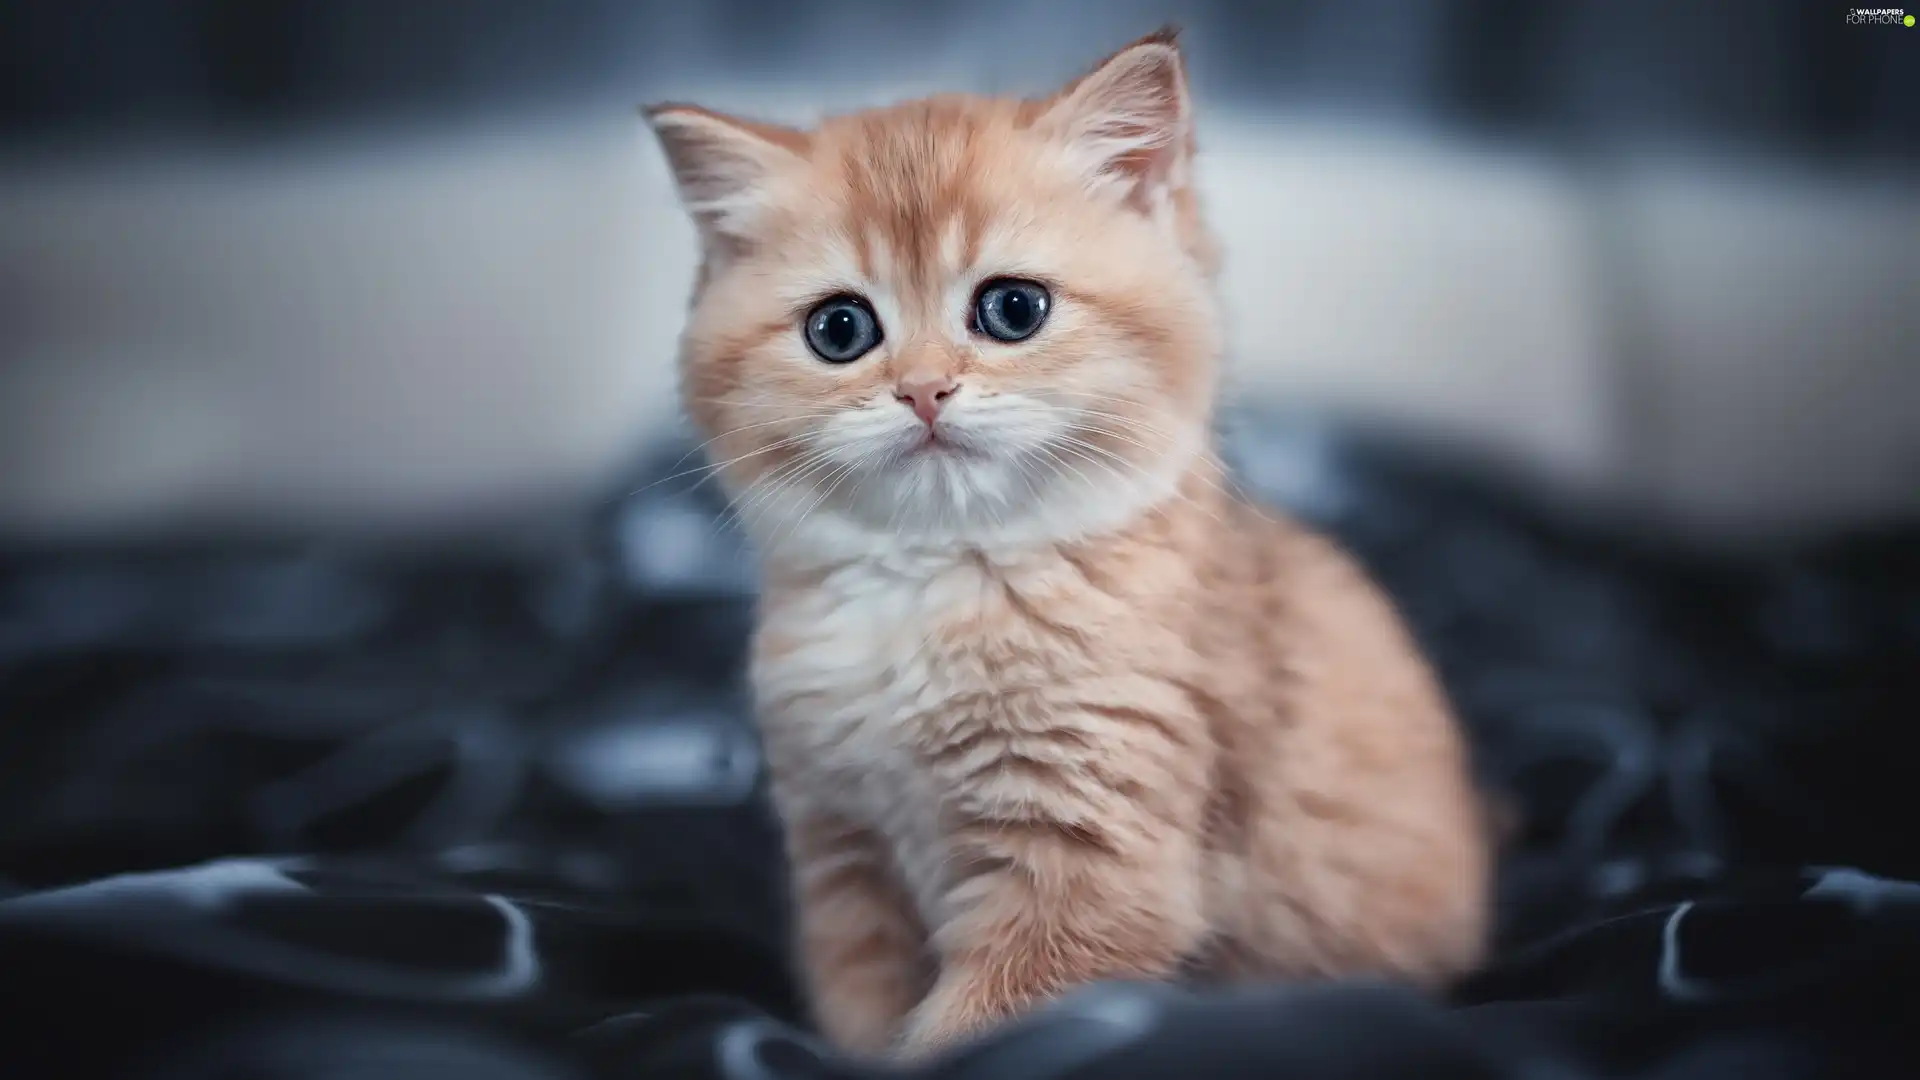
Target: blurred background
(358,264)
(345,514)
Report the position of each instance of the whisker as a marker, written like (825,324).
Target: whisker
(1205,473)
(1062,463)
(833,478)
(1115,464)
(788,475)
(761,491)
(1212,474)
(738,403)
(793,415)
(713,468)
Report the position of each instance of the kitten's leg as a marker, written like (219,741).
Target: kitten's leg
(1368,846)
(1379,865)
(1050,905)
(1350,889)
(862,945)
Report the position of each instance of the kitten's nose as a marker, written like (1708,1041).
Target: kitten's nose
(924,394)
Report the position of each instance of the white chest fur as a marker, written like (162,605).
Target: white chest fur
(855,673)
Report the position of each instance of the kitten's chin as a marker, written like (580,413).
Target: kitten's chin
(961,496)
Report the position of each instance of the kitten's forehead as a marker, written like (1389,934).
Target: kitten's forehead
(923,192)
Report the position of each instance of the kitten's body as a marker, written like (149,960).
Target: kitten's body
(1043,703)
(1203,737)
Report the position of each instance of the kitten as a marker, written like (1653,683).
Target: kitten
(1043,703)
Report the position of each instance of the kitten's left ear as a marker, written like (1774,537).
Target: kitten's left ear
(723,165)
(1130,120)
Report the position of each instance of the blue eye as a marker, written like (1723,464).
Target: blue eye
(842,330)
(1009,309)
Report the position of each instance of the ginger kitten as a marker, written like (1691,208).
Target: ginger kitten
(1043,703)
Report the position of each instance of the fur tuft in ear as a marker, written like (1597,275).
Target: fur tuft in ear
(1130,119)
(722,165)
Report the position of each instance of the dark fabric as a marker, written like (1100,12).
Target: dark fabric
(302,812)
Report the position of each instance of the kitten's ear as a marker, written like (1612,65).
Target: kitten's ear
(1130,119)
(723,165)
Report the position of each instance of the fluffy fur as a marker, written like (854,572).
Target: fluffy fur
(1044,703)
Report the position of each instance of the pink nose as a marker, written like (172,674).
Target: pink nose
(925,394)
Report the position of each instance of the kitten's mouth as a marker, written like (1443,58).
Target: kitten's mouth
(932,442)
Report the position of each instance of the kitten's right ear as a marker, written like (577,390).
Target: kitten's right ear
(723,165)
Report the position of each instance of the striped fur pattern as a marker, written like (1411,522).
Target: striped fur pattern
(1044,702)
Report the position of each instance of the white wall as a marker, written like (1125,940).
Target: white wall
(429,326)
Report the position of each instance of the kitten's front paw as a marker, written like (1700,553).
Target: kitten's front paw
(954,1012)
(865,1034)
(946,1018)
(927,1037)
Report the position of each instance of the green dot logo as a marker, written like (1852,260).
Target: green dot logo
(1908,20)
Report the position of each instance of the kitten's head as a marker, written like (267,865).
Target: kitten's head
(956,320)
